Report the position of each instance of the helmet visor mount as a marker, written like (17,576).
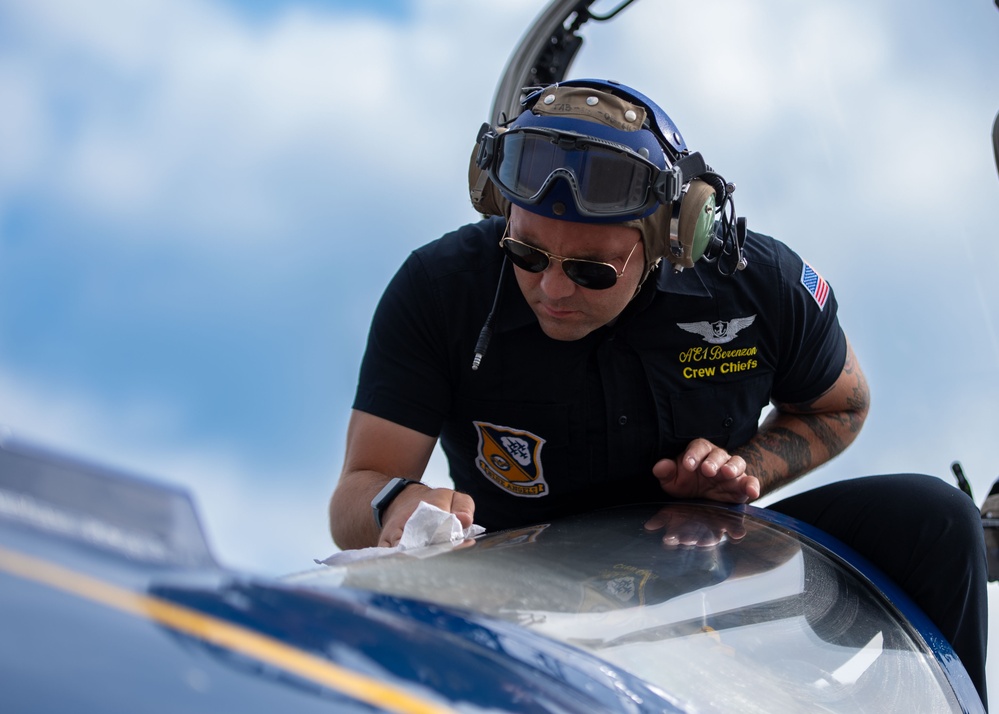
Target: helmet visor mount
(607,180)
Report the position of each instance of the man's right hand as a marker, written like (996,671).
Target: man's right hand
(377,450)
(398,512)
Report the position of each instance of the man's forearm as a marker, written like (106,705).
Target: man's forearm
(377,450)
(788,446)
(796,438)
(351,522)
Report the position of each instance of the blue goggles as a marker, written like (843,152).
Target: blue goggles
(607,180)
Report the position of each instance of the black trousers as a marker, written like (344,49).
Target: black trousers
(924,534)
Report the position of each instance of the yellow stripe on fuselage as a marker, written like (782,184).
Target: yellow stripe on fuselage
(218,632)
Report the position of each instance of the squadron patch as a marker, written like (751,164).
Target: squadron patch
(511,459)
(617,586)
(720,332)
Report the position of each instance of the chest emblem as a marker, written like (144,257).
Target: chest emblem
(720,332)
(511,459)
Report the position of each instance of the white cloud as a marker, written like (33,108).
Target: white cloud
(22,127)
(187,122)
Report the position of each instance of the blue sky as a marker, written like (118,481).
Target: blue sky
(201,201)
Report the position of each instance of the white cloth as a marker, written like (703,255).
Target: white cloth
(427,526)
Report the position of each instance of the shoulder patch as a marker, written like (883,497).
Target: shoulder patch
(815,284)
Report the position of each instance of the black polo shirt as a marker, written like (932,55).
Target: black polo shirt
(544,428)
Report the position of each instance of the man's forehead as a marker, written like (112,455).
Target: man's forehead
(542,232)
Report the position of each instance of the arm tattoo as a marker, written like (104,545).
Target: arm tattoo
(827,431)
(752,454)
(787,445)
(779,453)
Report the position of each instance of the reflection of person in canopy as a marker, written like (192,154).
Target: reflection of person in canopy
(543,568)
(614,376)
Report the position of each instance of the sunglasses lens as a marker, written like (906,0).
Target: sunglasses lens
(525,257)
(586,274)
(593,276)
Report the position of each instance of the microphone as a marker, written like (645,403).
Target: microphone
(486,333)
(483,343)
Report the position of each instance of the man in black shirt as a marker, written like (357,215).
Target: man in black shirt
(598,342)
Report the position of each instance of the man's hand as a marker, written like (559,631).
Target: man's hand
(707,471)
(398,512)
(377,450)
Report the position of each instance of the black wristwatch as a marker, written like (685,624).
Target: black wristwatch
(392,489)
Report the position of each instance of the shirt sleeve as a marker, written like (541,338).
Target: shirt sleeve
(403,375)
(813,350)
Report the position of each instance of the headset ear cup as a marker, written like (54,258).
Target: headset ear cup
(696,220)
(485,197)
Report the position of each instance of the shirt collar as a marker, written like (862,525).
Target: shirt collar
(686,282)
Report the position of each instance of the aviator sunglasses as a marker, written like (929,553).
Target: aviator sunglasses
(590,274)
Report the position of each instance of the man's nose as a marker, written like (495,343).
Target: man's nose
(554,282)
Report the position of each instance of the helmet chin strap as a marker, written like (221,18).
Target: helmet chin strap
(648,270)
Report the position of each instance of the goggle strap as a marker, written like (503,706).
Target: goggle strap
(692,166)
(486,141)
(669,185)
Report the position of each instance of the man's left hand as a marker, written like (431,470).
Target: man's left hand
(707,471)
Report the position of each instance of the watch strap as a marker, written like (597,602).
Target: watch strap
(388,493)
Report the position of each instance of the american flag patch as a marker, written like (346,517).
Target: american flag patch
(815,284)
